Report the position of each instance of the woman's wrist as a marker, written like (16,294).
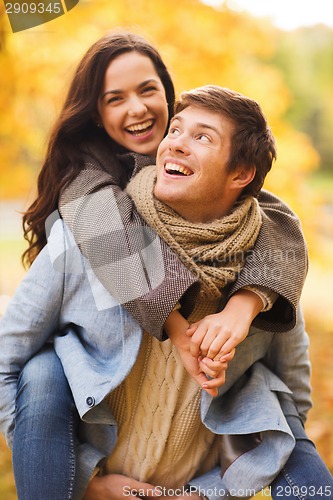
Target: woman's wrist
(175,327)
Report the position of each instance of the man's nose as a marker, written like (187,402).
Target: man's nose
(179,144)
(136,107)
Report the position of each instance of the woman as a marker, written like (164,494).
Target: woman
(83,159)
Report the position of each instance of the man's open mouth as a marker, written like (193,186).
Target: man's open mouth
(175,169)
(140,128)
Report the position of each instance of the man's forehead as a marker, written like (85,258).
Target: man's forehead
(200,117)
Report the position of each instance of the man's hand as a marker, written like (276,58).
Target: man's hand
(117,487)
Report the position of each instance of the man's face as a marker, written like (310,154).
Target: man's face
(192,177)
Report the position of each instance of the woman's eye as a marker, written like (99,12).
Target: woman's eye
(113,100)
(146,90)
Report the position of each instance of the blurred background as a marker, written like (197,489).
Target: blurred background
(282,59)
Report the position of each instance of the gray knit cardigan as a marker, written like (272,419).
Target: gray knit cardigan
(278,260)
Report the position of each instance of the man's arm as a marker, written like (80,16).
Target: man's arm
(278,261)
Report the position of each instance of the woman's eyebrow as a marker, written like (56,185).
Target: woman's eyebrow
(141,85)
(146,82)
(114,91)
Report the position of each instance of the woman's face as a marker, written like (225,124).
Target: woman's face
(132,106)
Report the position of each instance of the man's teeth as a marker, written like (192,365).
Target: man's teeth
(174,168)
(140,127)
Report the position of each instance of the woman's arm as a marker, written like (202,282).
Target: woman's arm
(129,259)
(28,322)
(278,261)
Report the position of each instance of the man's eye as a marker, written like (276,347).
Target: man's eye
(174,131)
(203,138)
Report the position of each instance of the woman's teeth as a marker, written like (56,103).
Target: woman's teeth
(140,128)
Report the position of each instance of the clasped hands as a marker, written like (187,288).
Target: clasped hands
(207,346)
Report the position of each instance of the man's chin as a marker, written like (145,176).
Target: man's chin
(165,194)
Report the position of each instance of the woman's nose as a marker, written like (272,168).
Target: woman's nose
(136,107)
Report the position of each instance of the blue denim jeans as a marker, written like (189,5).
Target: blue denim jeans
(305,476)
(43,444)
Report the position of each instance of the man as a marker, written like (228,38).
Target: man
(218,149)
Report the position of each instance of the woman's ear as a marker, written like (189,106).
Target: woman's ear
(96,118)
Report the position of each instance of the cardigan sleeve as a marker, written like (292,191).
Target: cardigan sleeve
(129,259)
(28,322)
(288,358)
(278,262)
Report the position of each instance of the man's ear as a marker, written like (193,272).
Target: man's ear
(243,176)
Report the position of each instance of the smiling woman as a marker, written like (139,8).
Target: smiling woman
(133,107)
(118,105)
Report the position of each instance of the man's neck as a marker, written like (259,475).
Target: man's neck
(202,213)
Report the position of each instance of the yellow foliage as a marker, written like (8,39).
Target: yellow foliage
(200,45)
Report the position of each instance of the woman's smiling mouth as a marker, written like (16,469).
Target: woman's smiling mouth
(139,129)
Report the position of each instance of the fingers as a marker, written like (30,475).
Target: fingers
(212,367)
(197,339)
(202,380)
(225,358)
(216,382)
(191,329)
(140,490)
(208,339)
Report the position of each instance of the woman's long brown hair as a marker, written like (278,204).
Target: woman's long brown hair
(76,125)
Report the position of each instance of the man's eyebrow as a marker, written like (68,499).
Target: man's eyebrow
(176,117)
(197,124)
(140,86)
(210,127)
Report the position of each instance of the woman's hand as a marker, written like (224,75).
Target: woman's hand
(217,335)
(176,327)
(117,487)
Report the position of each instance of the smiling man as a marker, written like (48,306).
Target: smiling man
(193,174)
(201,199)
(210,154)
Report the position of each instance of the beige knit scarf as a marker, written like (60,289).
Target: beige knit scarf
(215,252)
